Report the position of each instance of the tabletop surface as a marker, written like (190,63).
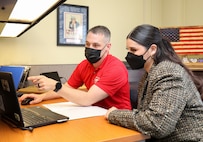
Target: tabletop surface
(90,129)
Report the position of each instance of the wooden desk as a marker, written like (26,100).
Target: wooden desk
(195,66)
(30,89)
(92,129)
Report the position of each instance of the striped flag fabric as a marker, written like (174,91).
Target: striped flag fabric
(185,40)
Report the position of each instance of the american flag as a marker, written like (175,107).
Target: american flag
(185,40)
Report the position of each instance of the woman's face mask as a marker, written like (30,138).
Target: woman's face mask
(135,61)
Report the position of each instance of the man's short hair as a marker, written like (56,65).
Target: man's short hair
(101,30)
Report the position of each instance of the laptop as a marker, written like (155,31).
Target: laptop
(33,89)
(24,118)
(17,73)
(53,75)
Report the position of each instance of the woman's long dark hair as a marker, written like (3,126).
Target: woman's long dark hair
(147,35)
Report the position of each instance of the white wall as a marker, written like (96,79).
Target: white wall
(38,45)
(182,13)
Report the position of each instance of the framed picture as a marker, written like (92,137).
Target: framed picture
(72,25)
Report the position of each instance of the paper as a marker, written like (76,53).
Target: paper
(74,111)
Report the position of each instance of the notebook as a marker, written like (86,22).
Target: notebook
(24,118)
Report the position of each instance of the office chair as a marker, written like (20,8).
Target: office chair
(134,77)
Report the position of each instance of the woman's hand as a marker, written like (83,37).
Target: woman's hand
(109,111)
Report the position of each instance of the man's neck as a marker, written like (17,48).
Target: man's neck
(97,64)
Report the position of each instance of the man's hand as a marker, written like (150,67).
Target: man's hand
(43,83)
(37,98)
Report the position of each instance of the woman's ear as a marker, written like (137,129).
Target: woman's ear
(153,49)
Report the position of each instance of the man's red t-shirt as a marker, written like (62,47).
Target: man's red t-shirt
(111,77)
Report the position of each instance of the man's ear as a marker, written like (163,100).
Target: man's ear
(109,45)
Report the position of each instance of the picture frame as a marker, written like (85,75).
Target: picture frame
(72,25)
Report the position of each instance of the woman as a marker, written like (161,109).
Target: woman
(170,108)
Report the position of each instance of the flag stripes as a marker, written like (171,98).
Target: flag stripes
(185,40)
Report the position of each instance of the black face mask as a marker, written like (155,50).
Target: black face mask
(92,55)
(135,61)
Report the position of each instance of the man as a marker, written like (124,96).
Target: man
(105,77)
(73,24)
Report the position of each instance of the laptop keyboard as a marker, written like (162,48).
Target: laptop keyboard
(39,116)
(33,118)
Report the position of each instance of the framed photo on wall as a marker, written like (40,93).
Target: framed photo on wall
(72,25)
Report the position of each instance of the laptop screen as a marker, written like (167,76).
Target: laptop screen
(53,75)
(17,73)
(11,112)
